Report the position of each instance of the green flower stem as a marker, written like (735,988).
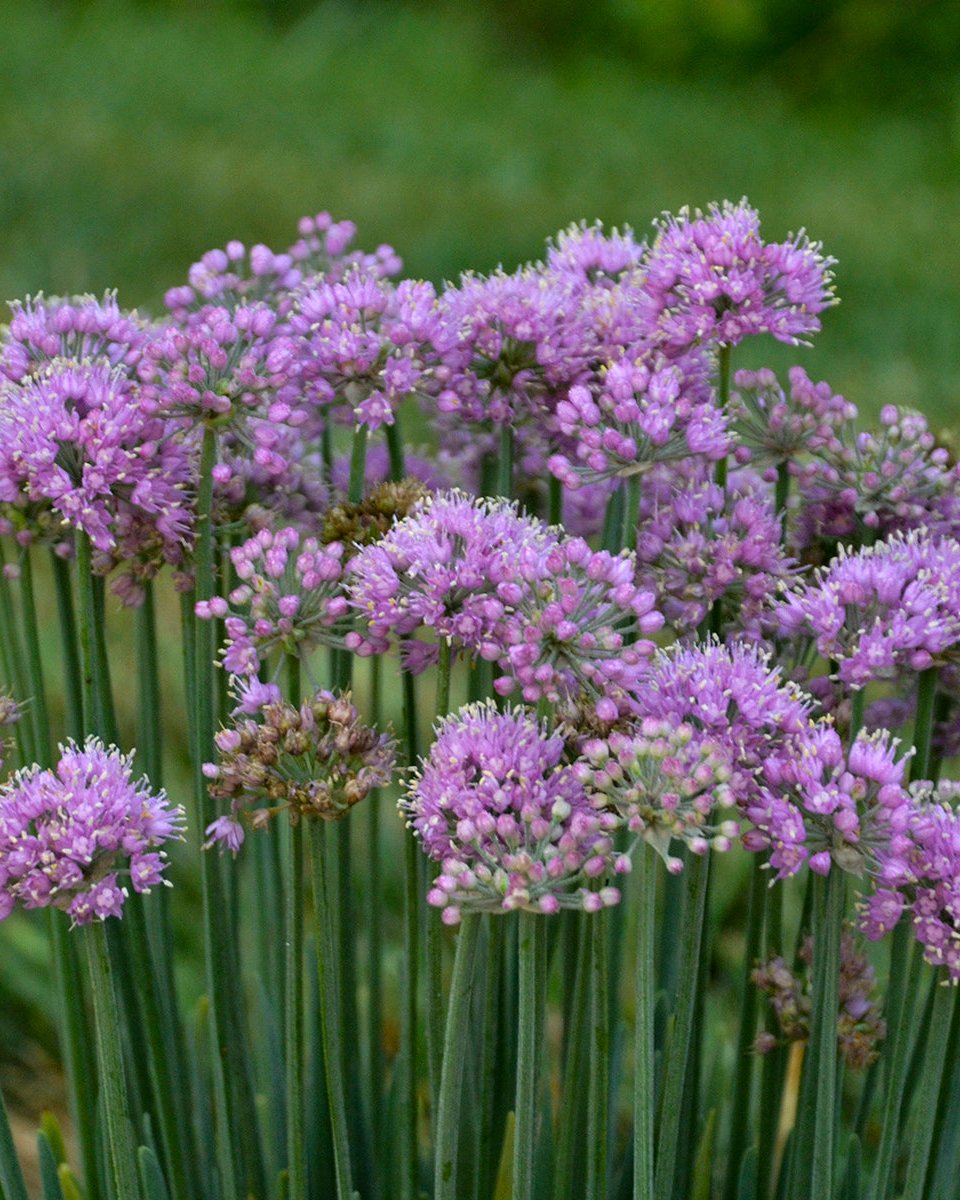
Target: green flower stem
(631,512)
(398,467)
(598,1061)
(857,702)
(121,1147)
(358,465)
(294,1056)
(94,716)
(829,905)
(14,664)
(744,1063)
(723,397)
(484,1154)
(923,723)
(455,1044)
(575,1037)
(109,728)
(644,1074)
(407,1131)
(528,1054)
(374,908)
(38,695)
(934,1059)
(504,481)
(554,501)
(149,715)
(678,1050)
(328,947)
(434,929)
(781,495)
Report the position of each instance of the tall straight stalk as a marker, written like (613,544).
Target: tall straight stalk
(504,483)
(434,929)
(324,903)
(938,1036)
(723,398)
(121,1153)
(528,1053)
(14,664)
(293,988)
(38,695)
(374,898)
(829,905)
(678,1050)
(455,1045)
(644,1075)
(598,1062)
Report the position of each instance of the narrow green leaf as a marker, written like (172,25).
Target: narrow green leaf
(703,1165)
(747,1179)
(504,1188)
(69,1184)
(11,1176)
(48,1168)
(151,1176)
(850,1188)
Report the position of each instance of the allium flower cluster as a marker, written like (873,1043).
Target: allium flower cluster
(735,697)
(859,1024)
(886,608)
(68,836)
(704,544)
(364,344)
(75,437)
(667,780)
(508,821)
(80,328)
(891,479)
(648,410)
(711,278)
(826,808)
(582,624)
(316,761)
(454,565)
(290,599)
(780,426)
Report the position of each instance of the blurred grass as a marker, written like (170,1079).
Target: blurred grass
(132,139)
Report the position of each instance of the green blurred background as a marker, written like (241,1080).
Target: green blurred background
(134,136)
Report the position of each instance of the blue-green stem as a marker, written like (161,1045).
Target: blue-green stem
(455,1044)
(744,1063)
(374,909)
(328,942)
(781,495)
(631,512)
(149,715)
(571,1109)
(923,723)
(598,1061)
(38,695)
(554,500)
(921,1138)
(14,665)
(434,930)
(358,465)
(678,1051)
(293,988)
(528,1057)
(644,1076)
(504,484)
(723,398)
(484,1155)
(829,906)
(121,1146)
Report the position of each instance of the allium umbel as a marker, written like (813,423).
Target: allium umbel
(316,761)
(70,836)
(510,824)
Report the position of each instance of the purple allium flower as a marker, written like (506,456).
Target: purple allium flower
(736,698)
(667,780)
(592,256)
(887,480)
(316,761)
(712,279)
(702,545)
(69,835)
(931,895)
(363,344)
(828,808)
(290,599)
(648,410)
(781,426)
(80,329)
(508,821)
(571,630)
(884,609)
(75,437)
(455,565)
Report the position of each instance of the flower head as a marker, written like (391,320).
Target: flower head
(508,821)
(68,836)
